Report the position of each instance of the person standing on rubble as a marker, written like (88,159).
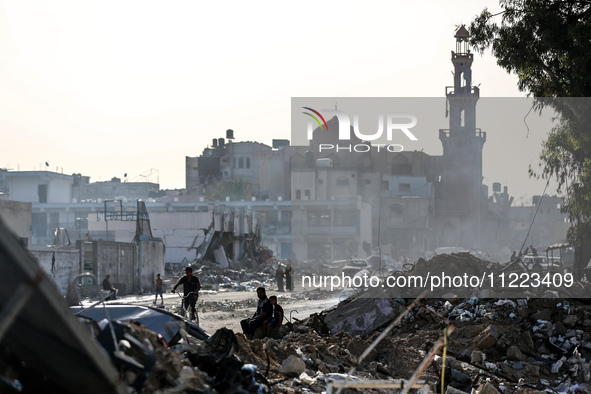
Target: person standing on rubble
(279,276)
(288,278)
(263,312)
(192,285)
(158,289)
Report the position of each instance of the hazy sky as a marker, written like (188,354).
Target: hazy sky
(105,88)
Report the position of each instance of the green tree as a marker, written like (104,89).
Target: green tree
(236,189)
(547,44)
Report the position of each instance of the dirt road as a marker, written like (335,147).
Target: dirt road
(227,308)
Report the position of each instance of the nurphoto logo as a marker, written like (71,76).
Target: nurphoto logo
(391,123)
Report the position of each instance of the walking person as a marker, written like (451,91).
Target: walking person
(289,278)
(158,289)
(190,284)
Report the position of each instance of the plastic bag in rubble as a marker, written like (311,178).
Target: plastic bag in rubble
(466,316)
(505,302)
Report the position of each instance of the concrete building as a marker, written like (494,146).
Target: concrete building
(41,187)
(225,161)
(83,189)
(543,221)
(419,202)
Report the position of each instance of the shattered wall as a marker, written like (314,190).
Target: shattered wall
(151,257)
(180,230)
(61,265)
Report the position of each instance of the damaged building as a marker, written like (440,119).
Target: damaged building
(309,203)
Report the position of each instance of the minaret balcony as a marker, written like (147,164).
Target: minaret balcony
(465,90)
(445,134)
(461,55)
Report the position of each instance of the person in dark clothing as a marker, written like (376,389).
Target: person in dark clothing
(276,317)
(289,277)
(158,289)
(190,284)
(264,310)
(279,277)
(107,286)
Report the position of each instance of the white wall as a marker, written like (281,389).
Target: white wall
(25,187)
(63,269)
(18,217)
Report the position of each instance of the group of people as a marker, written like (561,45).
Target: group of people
(191,287)
(529,250)
(280,273)
(268,314)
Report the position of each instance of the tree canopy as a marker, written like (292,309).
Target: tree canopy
(547,44)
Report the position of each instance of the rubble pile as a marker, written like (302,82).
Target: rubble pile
(246,275)
(306,361)
(170,369)
(490,345)
(498,344)
(522,344)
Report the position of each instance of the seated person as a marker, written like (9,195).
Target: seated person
(264,310)
(276,318)
(108,287)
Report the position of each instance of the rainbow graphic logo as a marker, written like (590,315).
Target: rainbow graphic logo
(315,118)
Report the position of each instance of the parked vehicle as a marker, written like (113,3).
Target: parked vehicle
(541,264)
(354,266)
(562,254)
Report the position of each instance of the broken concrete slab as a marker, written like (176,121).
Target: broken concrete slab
(488,338)
(488,388)
(292,366)
(570,320)
(477,357)
(513,353)
(363,315)
(544,314)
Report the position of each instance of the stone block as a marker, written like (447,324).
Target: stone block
(488,338)
(292,366)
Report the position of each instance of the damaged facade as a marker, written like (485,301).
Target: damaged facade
(311,203)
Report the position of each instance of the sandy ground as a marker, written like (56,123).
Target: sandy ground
(219,309)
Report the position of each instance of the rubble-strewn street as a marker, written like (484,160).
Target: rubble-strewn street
(219,198)
(485,345)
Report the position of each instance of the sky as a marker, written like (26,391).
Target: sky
(106,88)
